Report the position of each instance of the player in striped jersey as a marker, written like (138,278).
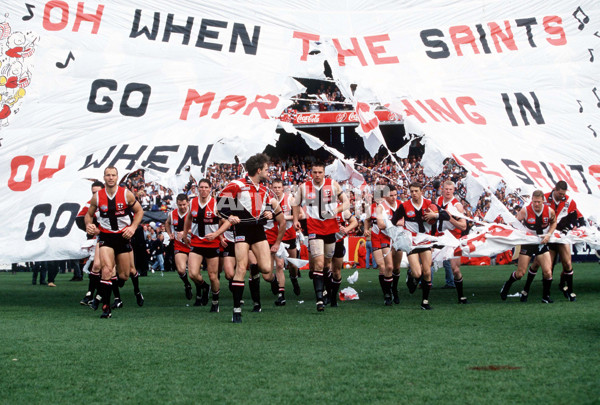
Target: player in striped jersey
(117,226)
(567,217)
(243,203)
(455,226)
(174,226)
(202,221)
(540,219)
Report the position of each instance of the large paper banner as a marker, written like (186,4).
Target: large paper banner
(171,87)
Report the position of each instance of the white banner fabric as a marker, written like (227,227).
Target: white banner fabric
(510,92)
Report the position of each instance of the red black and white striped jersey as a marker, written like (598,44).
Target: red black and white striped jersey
(205,220)
(537,222)
(566,211)
(447,225)
(177,222)
(387,210)
(245,200)
(321,203)
(272,227)
(413,216)
(114,213)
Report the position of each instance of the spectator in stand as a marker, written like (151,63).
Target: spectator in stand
(157,249)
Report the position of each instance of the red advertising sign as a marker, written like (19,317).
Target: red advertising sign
(329,118)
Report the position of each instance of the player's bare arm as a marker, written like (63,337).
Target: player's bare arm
(90,228)
(298,199)
(138,215)
(551,228)
(223,226)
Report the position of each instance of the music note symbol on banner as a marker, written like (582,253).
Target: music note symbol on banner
(64,65)
(580,106)
(592,55)
(30,10)
(590,127)
(595,90)
(582,22)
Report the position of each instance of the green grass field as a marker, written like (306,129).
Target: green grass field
(57,351)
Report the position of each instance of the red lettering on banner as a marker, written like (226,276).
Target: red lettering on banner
(426,110)
(474,160)
(470,243)
(343,53)
(234,103)
(552,26)
(563,174)
(366,126)
(64,8)
(94,18)
(499,231)
(262,104)
(194,97)
(64,19)
(29,163)
(508,38)
(594,171)
(45,172)
(535,172)
(306,38)
(15,163)
(462,35)
(457,160)
(448,112)
(475,118)
(376,50)
(478,37)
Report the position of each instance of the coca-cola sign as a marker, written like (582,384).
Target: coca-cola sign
(335,117)
(312,118)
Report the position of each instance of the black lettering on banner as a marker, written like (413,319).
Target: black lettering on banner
(155,157)
(140,110)
(121,155)
(527,23)
(444,52)
(579,169)
(509,111)
(72,209)
(96,164)
(206,33)
(97,84)
(178,29)
(40,209)
(514,167)
(524,104)
(239,31)
(548,173)
(535,111)
(482,38)
(192,153)
(135,28)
